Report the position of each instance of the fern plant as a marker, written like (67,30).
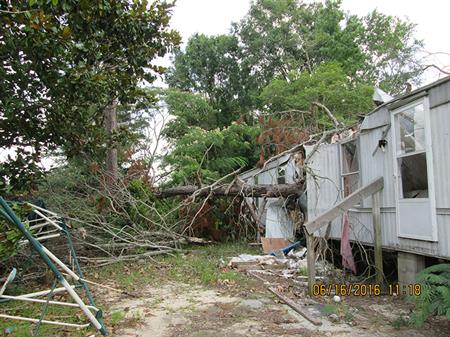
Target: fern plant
(435,295)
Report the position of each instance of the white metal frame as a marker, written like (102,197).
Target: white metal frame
(51,219)
(430,171)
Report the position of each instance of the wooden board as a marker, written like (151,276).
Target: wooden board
(345,204)
(301,310)
(273,244)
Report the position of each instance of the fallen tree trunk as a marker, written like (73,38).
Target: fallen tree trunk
(270,191)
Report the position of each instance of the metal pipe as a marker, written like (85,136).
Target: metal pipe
(35,300)
(44,292)
(60,263)
(35,320)
(42,209)
(47,219)
(82,306)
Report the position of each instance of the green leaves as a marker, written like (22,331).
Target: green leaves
(390,51)
(434,298)
(283,56)
(329,85)
(278,37)
(212,66)
(10,234)
(209,155)
(64,61)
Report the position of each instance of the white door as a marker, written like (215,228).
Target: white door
(416,218)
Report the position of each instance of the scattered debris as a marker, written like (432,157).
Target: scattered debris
(273,244)
(245,261)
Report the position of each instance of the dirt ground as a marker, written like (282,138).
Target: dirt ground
(230,310)
(196,294)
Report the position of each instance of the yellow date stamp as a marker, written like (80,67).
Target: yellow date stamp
(362,289)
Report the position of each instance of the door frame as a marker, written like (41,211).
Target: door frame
(430,171)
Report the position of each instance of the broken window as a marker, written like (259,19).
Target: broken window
(411,155)
(414,176)
(281,175)
(411,129)
(350,167)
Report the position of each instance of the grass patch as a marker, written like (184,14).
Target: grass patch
(117,317)
(127,277)
(329,309)
(345,312)
(303,271)
(201,265)
(198,265)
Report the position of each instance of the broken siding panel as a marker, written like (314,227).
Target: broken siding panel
(278,223)
(290,172)
(271,166)
(268,177)
(440,139)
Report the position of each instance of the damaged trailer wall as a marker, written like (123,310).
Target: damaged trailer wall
(326,188)
(275,217)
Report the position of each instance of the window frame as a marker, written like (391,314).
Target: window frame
(353,138)
(281,168)
(398,155)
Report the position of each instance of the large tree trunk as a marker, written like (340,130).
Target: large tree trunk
(110,118)
(270,191)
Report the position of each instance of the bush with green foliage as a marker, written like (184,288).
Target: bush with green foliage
(9,234)
(210,154)
(435,294)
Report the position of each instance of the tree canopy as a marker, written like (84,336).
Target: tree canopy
(63,61)
(278,66)
(279,36)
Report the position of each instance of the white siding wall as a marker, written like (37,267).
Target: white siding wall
(440,139)
(324,182)
(323,193)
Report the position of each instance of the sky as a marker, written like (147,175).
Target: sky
(212,17)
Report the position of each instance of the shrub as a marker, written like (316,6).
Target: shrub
(9,234)
(435,295)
